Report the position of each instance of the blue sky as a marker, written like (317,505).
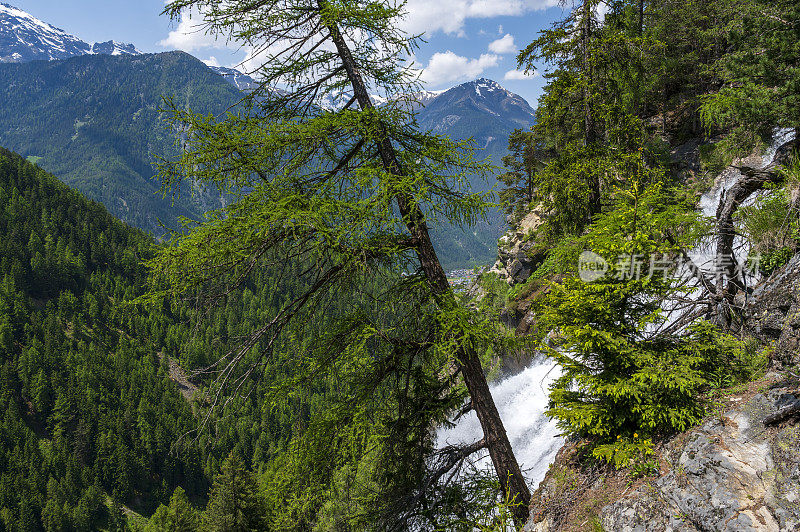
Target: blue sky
(465,38)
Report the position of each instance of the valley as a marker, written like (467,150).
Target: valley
(350,282)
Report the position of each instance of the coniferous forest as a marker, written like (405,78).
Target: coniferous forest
(284,361)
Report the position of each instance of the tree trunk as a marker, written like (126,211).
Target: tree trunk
(502,455)
(728,279)
(505,463)
(590,128)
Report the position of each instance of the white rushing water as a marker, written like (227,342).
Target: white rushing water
(521,400)
(704,255)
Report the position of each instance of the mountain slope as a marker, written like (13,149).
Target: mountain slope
(94,122)
(88,408)
(487,113)
(24,37)
(481,109)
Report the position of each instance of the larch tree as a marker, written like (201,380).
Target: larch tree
(344,193)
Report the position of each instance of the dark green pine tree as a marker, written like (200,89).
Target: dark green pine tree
(522,162)
(761,74)
(179,516)
(234,504)
(628,378)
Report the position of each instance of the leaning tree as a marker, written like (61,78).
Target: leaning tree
(345,192)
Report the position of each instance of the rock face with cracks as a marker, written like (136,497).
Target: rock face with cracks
(774,312)
(516,260)
(732,473)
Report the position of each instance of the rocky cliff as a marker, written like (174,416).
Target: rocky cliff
(737,471)
(774,313)
(733,473)
(516,258)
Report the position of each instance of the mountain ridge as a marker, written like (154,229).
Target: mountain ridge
(86,140)
(24,37)
(94,122)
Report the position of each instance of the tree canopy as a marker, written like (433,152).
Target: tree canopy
(346,194)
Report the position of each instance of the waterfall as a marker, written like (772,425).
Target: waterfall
(521,400)
(703,255)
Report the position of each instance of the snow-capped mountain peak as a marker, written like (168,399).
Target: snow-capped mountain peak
(418,99)
(24,37)
(114,48)
(238,79)
(423,98)
(482,107)
(488,85)
(334,102)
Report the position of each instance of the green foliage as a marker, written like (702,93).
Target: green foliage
(234,504)
(772,223)
(759,70)
(337,204)
(751,360)
(643,468)
(615,90)
(623,382)
(179,516)
(521,164)
(87,410)
(333,423)
(629,452)
(716,156)
(773,260)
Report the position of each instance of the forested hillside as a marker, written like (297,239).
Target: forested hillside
(89,410)
(94,122)
(99,414)
(108,134)
(287,361)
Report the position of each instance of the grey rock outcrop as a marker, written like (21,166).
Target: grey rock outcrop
(774,312)
(516,258)
(731,474)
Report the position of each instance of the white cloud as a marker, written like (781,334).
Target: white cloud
(191,35)
(519,74)
(211,61)
(445,67)
(503,45)
(448,16)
